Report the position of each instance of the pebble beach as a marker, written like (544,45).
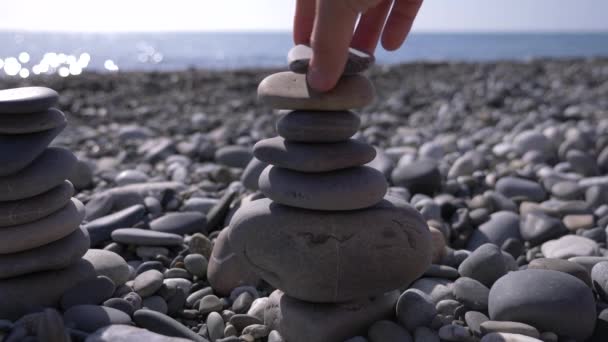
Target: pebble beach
(506,163)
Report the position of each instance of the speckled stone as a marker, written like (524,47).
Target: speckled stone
(288,90)
(298,321)
(325,256)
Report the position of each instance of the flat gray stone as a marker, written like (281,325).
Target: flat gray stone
(420,176)
(299,57)
(27,100)
(347,189)
(471,293)
(508,337)
(146,237)
(226,271)
(519,188)
(313,157)
(599,275)
(233,156)
(53,256)
(164,325)
(109,264)
(32,292)
(127,333)
(332,256)
(35,208)
(299,321)
(26,236)
(89,318)
(49,170)
(100,229)
(545,299)
(32,122)
(489,327)
(288,90)
(180,223)
(318,126)
(30,147)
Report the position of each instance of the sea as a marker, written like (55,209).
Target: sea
(26,54)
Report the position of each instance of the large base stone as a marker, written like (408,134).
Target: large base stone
(299,321)
(35,291)
(324,256)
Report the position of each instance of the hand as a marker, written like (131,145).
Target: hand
(328,25)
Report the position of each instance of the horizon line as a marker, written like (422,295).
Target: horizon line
(275,31)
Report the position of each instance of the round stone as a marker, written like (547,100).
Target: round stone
(146,237)
(489,327)
(30,147)
(93,292)
(570,246)
(100,229)
(215,326)
(325,256)
(348,189)
(147,283)
(32,122)
(35,208)
(130,177)
(226,271)
(471,293)
(313,157)
(31,292)
(27,100)
(300,55)
(288,90)
(414,309)
(561,265)
(318,127)
(53,256)
(502,225)
(89,318)
(46,172)
(180,223)
(26,236)
(486,264)
(196,264)
(545,299)
(210,303)
(537,227)
(421,176)
(109,264)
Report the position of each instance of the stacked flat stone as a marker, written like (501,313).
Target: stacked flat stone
(41,242)
(327,236)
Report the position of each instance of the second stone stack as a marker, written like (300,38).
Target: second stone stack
(327,235)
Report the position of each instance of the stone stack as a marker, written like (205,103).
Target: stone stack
(41,242)
(327,236)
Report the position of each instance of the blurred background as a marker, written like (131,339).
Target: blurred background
(69,37)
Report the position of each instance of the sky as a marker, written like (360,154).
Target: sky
(265,15)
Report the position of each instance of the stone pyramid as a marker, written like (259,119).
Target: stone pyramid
(41,242)
(327,236)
